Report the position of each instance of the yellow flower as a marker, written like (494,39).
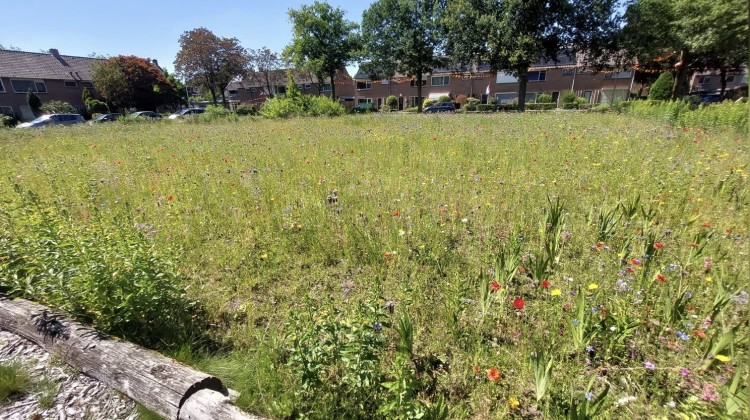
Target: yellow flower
(513,403)
(555,292)
(709,279)
(264,256)
(722,358)
(593,286)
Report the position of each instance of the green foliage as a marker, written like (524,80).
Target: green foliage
(14,382)
(133,82)
(8,120)
(58,107)
(301,106)
(428,102)
(445,98)
(541,106)
(34,102)
(725,115)
(94,106)
(542,366)
(544,98)
(662,88)
(246,110)
(392,102)
(568,97)
(471,104)
(109,277)
(485,107)
(589,406)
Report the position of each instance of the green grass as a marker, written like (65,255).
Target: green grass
(14,382)
(293,235)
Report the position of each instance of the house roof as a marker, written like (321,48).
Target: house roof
(278,78)
(52,65)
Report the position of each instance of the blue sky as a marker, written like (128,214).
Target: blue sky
(149,29)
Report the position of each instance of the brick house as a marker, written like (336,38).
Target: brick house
(710,81)
(50,75)
(480,82)
(257,88)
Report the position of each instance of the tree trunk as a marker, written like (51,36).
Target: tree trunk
(164,386)
(723,80)
(522,81)
(419,92)
(224,97)
(333,85)
(681,85)
(212,89)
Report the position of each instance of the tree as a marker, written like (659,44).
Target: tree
(133,82)
(265,69)
(662,88)
(34,102)
(405,33)
(687,36)
(210,61)
(324,42)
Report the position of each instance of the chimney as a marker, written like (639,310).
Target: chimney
(54,52)
(156,63)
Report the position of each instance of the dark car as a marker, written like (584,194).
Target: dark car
(107,117)
(52,119)
(146,114)
(440,107)
(186,113)
(364,107)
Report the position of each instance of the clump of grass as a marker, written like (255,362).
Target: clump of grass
(14,382)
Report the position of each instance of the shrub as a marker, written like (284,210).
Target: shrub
(34,102)
(391,102)
(412,109)
(8,120)
(301,106)
(662,87)
(471,104)
(601,108)
(509,107)
(94,106)
(568,97)
(444,98)
(544,98)
(540,106)
(461,100)
(58,107)
(428,102)
(246,110)
(110,277)
(485,107)
(491,100)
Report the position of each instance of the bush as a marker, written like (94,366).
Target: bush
(8,120)
(662,87)
(568,97)
(679,113)
(428,102)
(109,277)
(491,100)
(485,107)
(34,102)
(245,110)
(509,107)
(601,108)
(94,106)
(391,102)
(541,106)
(444,98)
(544,98)
(301,106)
(471,104)
(412,109)
(58,107)
(461,100)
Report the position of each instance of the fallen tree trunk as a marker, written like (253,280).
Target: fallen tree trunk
(164,386)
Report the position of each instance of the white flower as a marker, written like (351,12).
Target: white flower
(624,400)
(401,232)
(464,220)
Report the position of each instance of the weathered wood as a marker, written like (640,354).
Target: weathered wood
(170,389)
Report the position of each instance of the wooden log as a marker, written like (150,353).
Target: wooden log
(164,386)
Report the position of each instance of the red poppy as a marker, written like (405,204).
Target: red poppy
(660,278)
(521,270)
(495,286)
(494,374)
(170,198)
(395,213)
(695,245)
(387,254)
(477,369)
(707,225)
(545,284)
(658,245)
(630,270)
(519,303)
(700,334)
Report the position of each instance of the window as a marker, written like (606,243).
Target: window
(6,110)
(413,83)
(23,86)
(364,100)
(364,85)
(555,96)
(587,96)
(280,90)
(380,102)
(620,75)
(71,84)
(505,78)
(505,98)
(87,85)
(704,80)
(252,90)
(26,113)
(326,87)
(568,72)
(301,86)
(413,101)
(385,82)
(2,88)
(233,92)
(536,76)
(730,78)
(307,86)
(531,96)
(441,80)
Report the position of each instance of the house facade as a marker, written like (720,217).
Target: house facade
(552,78)
(256,88)
(710,81)
(50,75)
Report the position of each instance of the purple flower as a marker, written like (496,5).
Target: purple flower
(589,395)
(685,372)
(648,365)
(682,336)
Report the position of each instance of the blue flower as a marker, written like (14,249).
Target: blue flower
(682,336)
(589,395)
(377,326)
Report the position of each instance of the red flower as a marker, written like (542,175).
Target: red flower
(695,245)
(519,303)
(545,284)
(521,270)
(495,286)
(630,270)
(658,245)
(395,213)
(494,374)
(707,225)
(660,278)
(170,197)
(700,334)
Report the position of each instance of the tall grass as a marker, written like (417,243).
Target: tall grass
(726,115)
(546,265)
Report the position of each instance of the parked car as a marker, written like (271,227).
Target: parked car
(364,107)
(107,117)
(440,107)
(186,113)
(147,114)
(52,119)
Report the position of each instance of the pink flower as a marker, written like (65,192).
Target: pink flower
(709,393)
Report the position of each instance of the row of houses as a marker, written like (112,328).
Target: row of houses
(53,76)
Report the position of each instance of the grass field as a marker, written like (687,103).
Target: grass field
(397,266)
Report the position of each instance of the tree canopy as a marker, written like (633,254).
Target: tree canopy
(133,82)
(406,33)
(266,68)
(210,61)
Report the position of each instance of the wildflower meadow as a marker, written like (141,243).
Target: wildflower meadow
(542,265)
